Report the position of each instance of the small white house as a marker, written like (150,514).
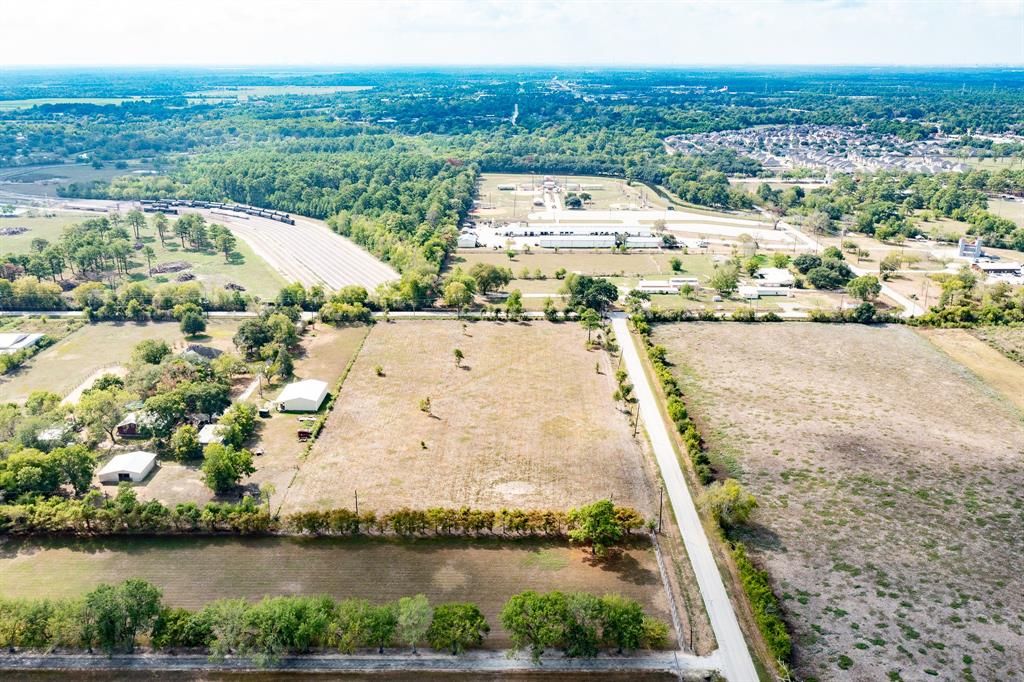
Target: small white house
(212,433)
(468,240)
(774,277)
(131,466)
(302,396)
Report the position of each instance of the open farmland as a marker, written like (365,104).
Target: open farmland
(65,365)
(193,571)
(889,481)
(507,428)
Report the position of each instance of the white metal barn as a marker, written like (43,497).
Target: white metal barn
(131,466)
(302,396)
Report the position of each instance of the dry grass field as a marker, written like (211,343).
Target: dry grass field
(525,421)
(993,367)
(889,479)
(1007,340)
(193,571)
(66,364)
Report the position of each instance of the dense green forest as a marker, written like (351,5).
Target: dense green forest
(394,161)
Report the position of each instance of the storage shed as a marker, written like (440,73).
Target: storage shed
(302,396)
(131,466)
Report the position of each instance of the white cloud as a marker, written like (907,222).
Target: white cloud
(549,32)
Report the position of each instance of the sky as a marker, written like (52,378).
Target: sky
(520,32)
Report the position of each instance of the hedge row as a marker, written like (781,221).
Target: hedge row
(676,407)
(12,361)
(767,609)
(447,521)
(125,514)
(865,313)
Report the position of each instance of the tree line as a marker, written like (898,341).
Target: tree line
(113,619)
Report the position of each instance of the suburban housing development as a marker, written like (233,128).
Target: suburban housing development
(472,372)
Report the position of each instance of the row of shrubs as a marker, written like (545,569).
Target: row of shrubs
(865,313)
(125,514)
(450,521)
(114,617)
(756,583)
(677,411)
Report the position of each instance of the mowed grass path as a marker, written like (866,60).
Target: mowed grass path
(526,421)
(889,483)
(193,571)
(66,364)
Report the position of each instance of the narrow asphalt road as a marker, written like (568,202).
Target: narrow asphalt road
(473,662)
(736,662)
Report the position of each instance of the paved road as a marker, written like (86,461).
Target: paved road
(477,661)
(308,251)
(736,662)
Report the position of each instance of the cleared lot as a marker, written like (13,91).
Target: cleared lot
(525,421)
(308,251)
(889,481)
(193,571)
(65,365)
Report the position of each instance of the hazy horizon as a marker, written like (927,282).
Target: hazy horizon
(453,33)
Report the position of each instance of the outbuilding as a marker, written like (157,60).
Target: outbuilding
(212,433)
(302,396)
(131,467)
(12,343)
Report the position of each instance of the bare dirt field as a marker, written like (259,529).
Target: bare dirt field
(193,571)
(64,366)
(889,481)
(526,421)
(323,354)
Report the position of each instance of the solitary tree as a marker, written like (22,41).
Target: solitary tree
(224,467)
(728,502)
(595,524)
(193,323)
(591,320)
(114,614)
(101,411)
(185,443)
(865,287)
(414,616)
(458,357)
(457,626)
(149,253)
(725,280)
(160,225)
(226,243)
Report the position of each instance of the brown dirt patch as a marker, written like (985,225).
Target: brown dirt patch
(889,483)
(526,422)
(994,368)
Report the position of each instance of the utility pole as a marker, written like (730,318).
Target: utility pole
(636,419)
(357,504)
(661,506)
